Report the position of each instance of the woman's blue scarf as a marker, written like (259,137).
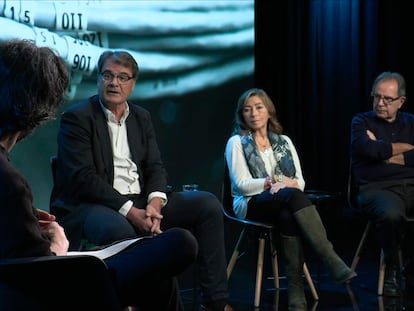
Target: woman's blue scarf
(281,152)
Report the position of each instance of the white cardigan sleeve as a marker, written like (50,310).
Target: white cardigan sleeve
(242,181)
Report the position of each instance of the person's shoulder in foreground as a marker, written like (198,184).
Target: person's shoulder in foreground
(34,82)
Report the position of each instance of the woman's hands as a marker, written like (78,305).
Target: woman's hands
(276,187)
(268,183)
(282,182)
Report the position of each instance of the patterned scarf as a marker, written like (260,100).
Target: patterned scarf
(281,152)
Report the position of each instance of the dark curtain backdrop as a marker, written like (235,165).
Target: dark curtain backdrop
(317,60)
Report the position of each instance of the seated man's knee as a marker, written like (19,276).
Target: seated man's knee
(381,206)
(392,214)
(102,232)
(209,203)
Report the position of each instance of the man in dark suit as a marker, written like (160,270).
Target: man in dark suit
(111,183)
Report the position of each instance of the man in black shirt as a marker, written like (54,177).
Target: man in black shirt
(382,153)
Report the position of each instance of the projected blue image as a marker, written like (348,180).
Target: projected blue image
(195,59)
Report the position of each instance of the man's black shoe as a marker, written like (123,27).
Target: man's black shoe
(391,284)
(391,289)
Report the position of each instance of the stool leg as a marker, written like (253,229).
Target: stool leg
(275,269)
(259,272)
(381,274)
(310,282)
(357,255)
(380,304)
(235,254)
(275,264)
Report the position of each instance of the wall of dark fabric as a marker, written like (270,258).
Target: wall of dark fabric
(317,60)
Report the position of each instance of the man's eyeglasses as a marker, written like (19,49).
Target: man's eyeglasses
(385,99)
(109,77)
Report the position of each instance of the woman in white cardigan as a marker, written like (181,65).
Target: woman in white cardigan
(267,185)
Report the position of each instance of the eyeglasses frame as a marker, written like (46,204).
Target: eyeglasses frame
(385,99)
(112,77)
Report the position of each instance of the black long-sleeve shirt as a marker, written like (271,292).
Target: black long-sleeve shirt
(369,156)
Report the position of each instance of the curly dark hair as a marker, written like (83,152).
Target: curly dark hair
(33,83)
